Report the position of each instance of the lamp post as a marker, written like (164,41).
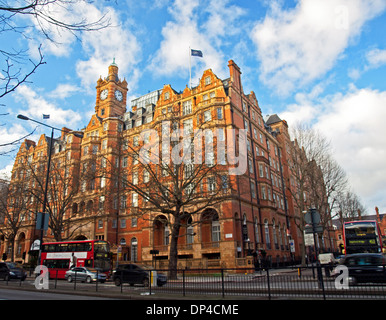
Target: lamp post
(22,117)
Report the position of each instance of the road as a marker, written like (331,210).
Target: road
(281,284)
(10,294)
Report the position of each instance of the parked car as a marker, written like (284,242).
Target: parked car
(364,267)
(134,274)
(11,270)
(85,274)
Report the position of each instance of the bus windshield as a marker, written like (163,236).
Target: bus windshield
(101,246)
(362,236)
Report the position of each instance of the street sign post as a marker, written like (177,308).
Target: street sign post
(42,221)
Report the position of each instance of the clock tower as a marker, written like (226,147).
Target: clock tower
(111,94)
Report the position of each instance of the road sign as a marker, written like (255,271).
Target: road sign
(312,219)
(292,245)
(40,223)
(312,216)
(308,239)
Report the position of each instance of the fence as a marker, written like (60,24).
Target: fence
(290,283)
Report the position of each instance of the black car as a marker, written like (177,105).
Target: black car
(10,270)
(134,274)
(365,267)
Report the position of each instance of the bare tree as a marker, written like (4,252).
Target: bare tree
(47,17)
(164,177)
(62,188)
(317,177)
(349,206)
(14,211)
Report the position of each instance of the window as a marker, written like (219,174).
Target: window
(166,95)
(266,232)
(219,113)
(134,249)
(123,202)
(100,224)
(101,202)
(216,229)
(244,106)
(134,199)
(257,231)
(188,126)
(123,223)
(124,162)
(189,232)
(253,190)
(135,178)
(166,235)
(207,116)
(263,193)
(261,171)
(207,80)
(104,144)
(136,141)
(146,176)
(211,184)
(187,107)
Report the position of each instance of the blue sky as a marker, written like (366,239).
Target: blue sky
(320,62)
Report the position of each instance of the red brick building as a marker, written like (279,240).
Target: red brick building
(254,214)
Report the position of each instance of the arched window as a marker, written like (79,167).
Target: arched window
(274,233)
(210,227)
(215,229)
(245,228)
(266,232)
(257,238)
(189,232)
(134,249)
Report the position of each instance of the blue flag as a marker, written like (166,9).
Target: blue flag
(46,116)
(196,53)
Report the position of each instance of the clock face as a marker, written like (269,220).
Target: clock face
(118,95)
(104,94)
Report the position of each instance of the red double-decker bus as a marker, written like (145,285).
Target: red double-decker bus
(59,257)
(362,237)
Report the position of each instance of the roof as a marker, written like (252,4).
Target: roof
(273,119)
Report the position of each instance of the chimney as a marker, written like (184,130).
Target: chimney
(377,212)
(235,74)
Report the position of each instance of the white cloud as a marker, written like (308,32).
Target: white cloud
(102,46)
(300,45)
(201,29)
(64,90)
(376,58)
(354,123)
(37,105)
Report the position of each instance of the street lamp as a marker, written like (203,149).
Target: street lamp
(80,135)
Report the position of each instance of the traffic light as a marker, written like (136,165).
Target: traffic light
(4,256)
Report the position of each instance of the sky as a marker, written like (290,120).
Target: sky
(318,62)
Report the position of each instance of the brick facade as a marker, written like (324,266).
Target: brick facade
(255,215)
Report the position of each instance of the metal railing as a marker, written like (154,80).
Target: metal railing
(289,283)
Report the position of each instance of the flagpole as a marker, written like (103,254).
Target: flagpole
(190,68)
